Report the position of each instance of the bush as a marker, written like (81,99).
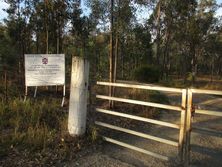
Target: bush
(148,74)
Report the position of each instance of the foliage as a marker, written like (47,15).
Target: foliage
(7,50)
(177,37)
(147,74)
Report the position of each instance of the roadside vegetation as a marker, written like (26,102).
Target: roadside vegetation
(34,133)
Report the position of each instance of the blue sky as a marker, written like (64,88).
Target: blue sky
(140,13)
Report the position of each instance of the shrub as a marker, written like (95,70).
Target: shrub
(148,74)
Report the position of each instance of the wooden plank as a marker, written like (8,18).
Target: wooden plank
(209,112)
(146,87)
(188,127)
(206,131)
(182,125)
(138,118)
(136,148)
(150,104)
(202,91)
(146,136)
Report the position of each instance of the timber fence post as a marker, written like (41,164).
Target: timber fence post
(182,134)
(188,126)
(78,96)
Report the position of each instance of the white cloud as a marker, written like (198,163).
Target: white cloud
(3,14)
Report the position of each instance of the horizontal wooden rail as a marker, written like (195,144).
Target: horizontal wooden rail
(136,148)
(150,104)
(147,87)
(161,140)
(209,112)
(206,131)
(138,118)
(202,91)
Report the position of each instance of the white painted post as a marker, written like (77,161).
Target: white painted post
(78,96)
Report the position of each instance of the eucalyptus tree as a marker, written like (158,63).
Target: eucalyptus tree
(19,31)
(7,49)
(181,29)
(80,28)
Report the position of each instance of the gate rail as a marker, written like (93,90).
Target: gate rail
(180,127)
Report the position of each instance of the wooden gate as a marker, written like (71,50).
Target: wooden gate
(185,128)
(191,110)
(180,127)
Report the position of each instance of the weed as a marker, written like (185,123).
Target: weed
(93,133)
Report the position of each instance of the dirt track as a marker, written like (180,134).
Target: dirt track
(109,155)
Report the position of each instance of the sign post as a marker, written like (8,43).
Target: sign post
(44,70)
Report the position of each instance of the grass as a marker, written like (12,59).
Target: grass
(30,124)
(202,82)
(133,109)
(34,133)
(37,129)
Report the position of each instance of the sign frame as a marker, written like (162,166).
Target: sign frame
(43,56)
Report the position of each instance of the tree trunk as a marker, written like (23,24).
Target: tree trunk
(46,28)
(47,41)
(115,65)
(111,55)
(193,63)
(158,33)
(165,68)
(116,58)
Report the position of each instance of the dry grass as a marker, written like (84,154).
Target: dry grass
(35,133)
(138,110)
(202,82)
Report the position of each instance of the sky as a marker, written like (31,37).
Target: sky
(3,14)
(140,13)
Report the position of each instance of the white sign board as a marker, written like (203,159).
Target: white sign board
(44,69)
